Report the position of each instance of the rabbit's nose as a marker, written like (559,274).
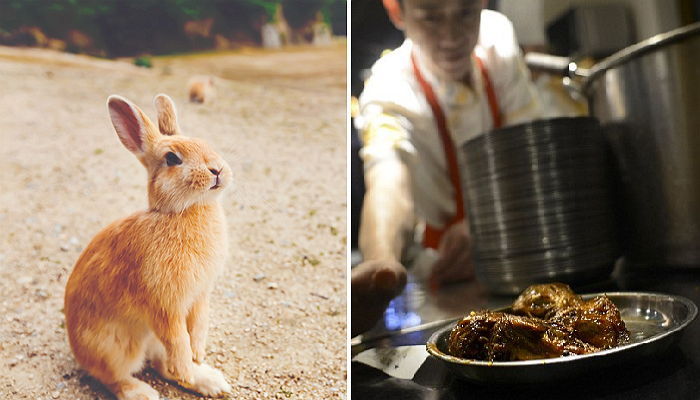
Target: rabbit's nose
(215,171)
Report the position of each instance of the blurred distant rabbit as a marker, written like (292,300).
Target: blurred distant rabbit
(201,89)
(140,290)
(201,28)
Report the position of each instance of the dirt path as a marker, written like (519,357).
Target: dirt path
(279,311)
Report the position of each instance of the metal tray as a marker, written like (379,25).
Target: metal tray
(654,320)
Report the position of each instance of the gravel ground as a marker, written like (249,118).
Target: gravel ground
(278,326)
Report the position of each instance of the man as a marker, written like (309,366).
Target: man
(459,73)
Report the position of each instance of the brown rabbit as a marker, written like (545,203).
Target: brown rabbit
(201,89)
(140,290)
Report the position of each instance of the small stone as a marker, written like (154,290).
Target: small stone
(259,277)
(64,247)
(23,280)
(272,285)
(54,395)
(60,386)
(73,240)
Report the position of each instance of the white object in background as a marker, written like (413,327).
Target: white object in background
(271,37)
(322,34)
(527,17)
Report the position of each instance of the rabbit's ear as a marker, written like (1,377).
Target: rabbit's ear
(167,118)
(132,126)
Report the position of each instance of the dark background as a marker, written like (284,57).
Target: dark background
(118,28)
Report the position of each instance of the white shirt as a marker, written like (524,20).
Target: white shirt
(396,120)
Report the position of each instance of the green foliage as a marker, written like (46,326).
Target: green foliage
(326,11)
(143,61)
(270,6)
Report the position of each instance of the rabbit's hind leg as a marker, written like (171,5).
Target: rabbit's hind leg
(117,352)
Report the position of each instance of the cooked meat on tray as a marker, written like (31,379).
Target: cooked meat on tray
(546,321)
(542,301)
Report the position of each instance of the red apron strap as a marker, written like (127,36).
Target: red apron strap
(491,94)
(433,235)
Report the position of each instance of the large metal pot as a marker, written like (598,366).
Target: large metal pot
(647,98)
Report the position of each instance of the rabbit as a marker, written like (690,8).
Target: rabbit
(140,290)
(201,89)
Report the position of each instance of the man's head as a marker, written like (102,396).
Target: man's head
(446,31)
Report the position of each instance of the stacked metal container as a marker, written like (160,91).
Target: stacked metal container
(540,206)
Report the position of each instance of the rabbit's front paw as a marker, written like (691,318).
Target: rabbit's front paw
(182,372)
(210,381)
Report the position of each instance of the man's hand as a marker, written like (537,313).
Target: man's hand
(373,285)
(454,261)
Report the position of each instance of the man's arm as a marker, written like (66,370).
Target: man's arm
(387,211)
(387,219)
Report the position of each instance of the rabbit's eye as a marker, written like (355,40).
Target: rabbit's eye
(172,159)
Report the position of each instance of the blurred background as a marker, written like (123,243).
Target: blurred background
(117,28)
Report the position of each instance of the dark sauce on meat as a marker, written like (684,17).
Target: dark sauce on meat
(545,321)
